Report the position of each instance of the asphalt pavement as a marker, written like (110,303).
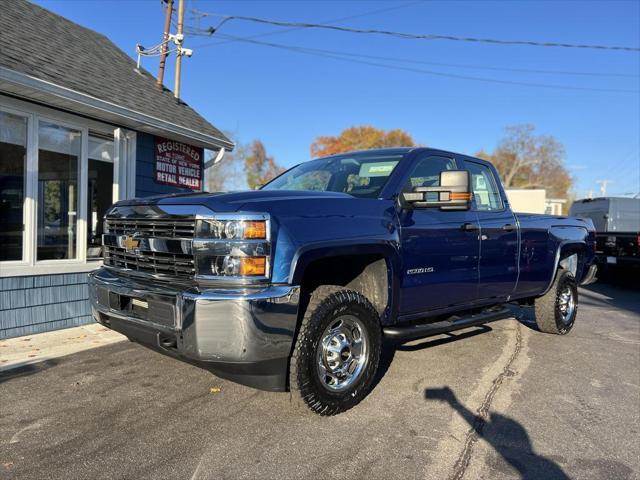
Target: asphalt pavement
(503,401)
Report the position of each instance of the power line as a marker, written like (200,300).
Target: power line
(438,64)
(410,36)
(339,56)
(628,170)
(199,15)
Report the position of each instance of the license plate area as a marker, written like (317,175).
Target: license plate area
(156,308)
(127,304)
(138,305)
(119,302)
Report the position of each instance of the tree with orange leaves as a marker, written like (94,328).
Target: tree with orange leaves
(258,166)
(360,138)
(526,160)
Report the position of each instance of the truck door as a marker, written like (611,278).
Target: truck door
(439,248)
(498,234)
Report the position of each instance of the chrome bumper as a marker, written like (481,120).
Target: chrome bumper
(590,277)
(243,334)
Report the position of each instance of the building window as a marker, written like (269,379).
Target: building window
(59,173)
(13,157)
(100,191)
(59,153)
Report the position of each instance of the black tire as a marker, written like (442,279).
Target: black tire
(328,304)
(550,316)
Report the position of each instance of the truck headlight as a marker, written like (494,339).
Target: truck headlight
(230,246)
(239,266)
(232,229)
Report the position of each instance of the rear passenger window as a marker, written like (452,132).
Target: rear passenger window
(426,172)
(484,187)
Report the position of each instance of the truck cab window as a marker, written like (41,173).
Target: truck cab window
(313,180)
(426,172)
(361,175)
(484,187)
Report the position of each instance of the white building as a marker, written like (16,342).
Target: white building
(80,127)
(534,200)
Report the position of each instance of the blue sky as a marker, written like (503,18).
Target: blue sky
(286,98)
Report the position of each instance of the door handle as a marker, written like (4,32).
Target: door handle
(470,227)
(508,227)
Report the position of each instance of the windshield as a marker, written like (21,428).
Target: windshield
(358,175)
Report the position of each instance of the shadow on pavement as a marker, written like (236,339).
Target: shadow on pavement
(26,370)
(611,296)
(507,436)
(626,278)
(390,347)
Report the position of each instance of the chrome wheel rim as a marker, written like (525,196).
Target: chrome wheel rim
(566,304)
(342,353)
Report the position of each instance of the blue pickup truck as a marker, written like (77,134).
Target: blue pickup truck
(294,286)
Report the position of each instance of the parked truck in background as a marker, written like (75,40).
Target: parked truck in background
(294,286)
(617,224)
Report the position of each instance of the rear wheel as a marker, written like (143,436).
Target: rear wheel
(557,309)
(336,352)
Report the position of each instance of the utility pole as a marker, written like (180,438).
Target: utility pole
(603,186)
(179,52)
(165,42)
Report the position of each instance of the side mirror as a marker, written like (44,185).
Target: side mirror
(454,193)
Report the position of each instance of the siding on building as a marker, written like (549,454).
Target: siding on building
(40,303)
(145,159)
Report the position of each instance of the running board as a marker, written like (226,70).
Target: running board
(414,332)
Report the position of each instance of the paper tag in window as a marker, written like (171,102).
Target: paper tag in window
(377,169)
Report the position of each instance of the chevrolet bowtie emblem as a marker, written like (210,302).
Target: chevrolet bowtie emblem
(130,243)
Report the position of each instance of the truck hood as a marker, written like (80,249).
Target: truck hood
(234,201)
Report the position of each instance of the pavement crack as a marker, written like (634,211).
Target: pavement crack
(480,420)
(16,437)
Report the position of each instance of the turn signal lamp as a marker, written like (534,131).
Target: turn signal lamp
(253,266)
(460,196)
(255,230)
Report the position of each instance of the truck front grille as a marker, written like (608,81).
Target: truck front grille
(155,263)
(157,228)
(161,250)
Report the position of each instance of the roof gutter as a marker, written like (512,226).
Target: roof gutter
(126,115)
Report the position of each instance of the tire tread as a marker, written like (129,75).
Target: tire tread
(545,306)
(323,300)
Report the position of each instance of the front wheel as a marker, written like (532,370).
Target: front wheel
(557,309)
(337,351)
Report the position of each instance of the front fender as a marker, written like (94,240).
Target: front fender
(387,249)
(315,251)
